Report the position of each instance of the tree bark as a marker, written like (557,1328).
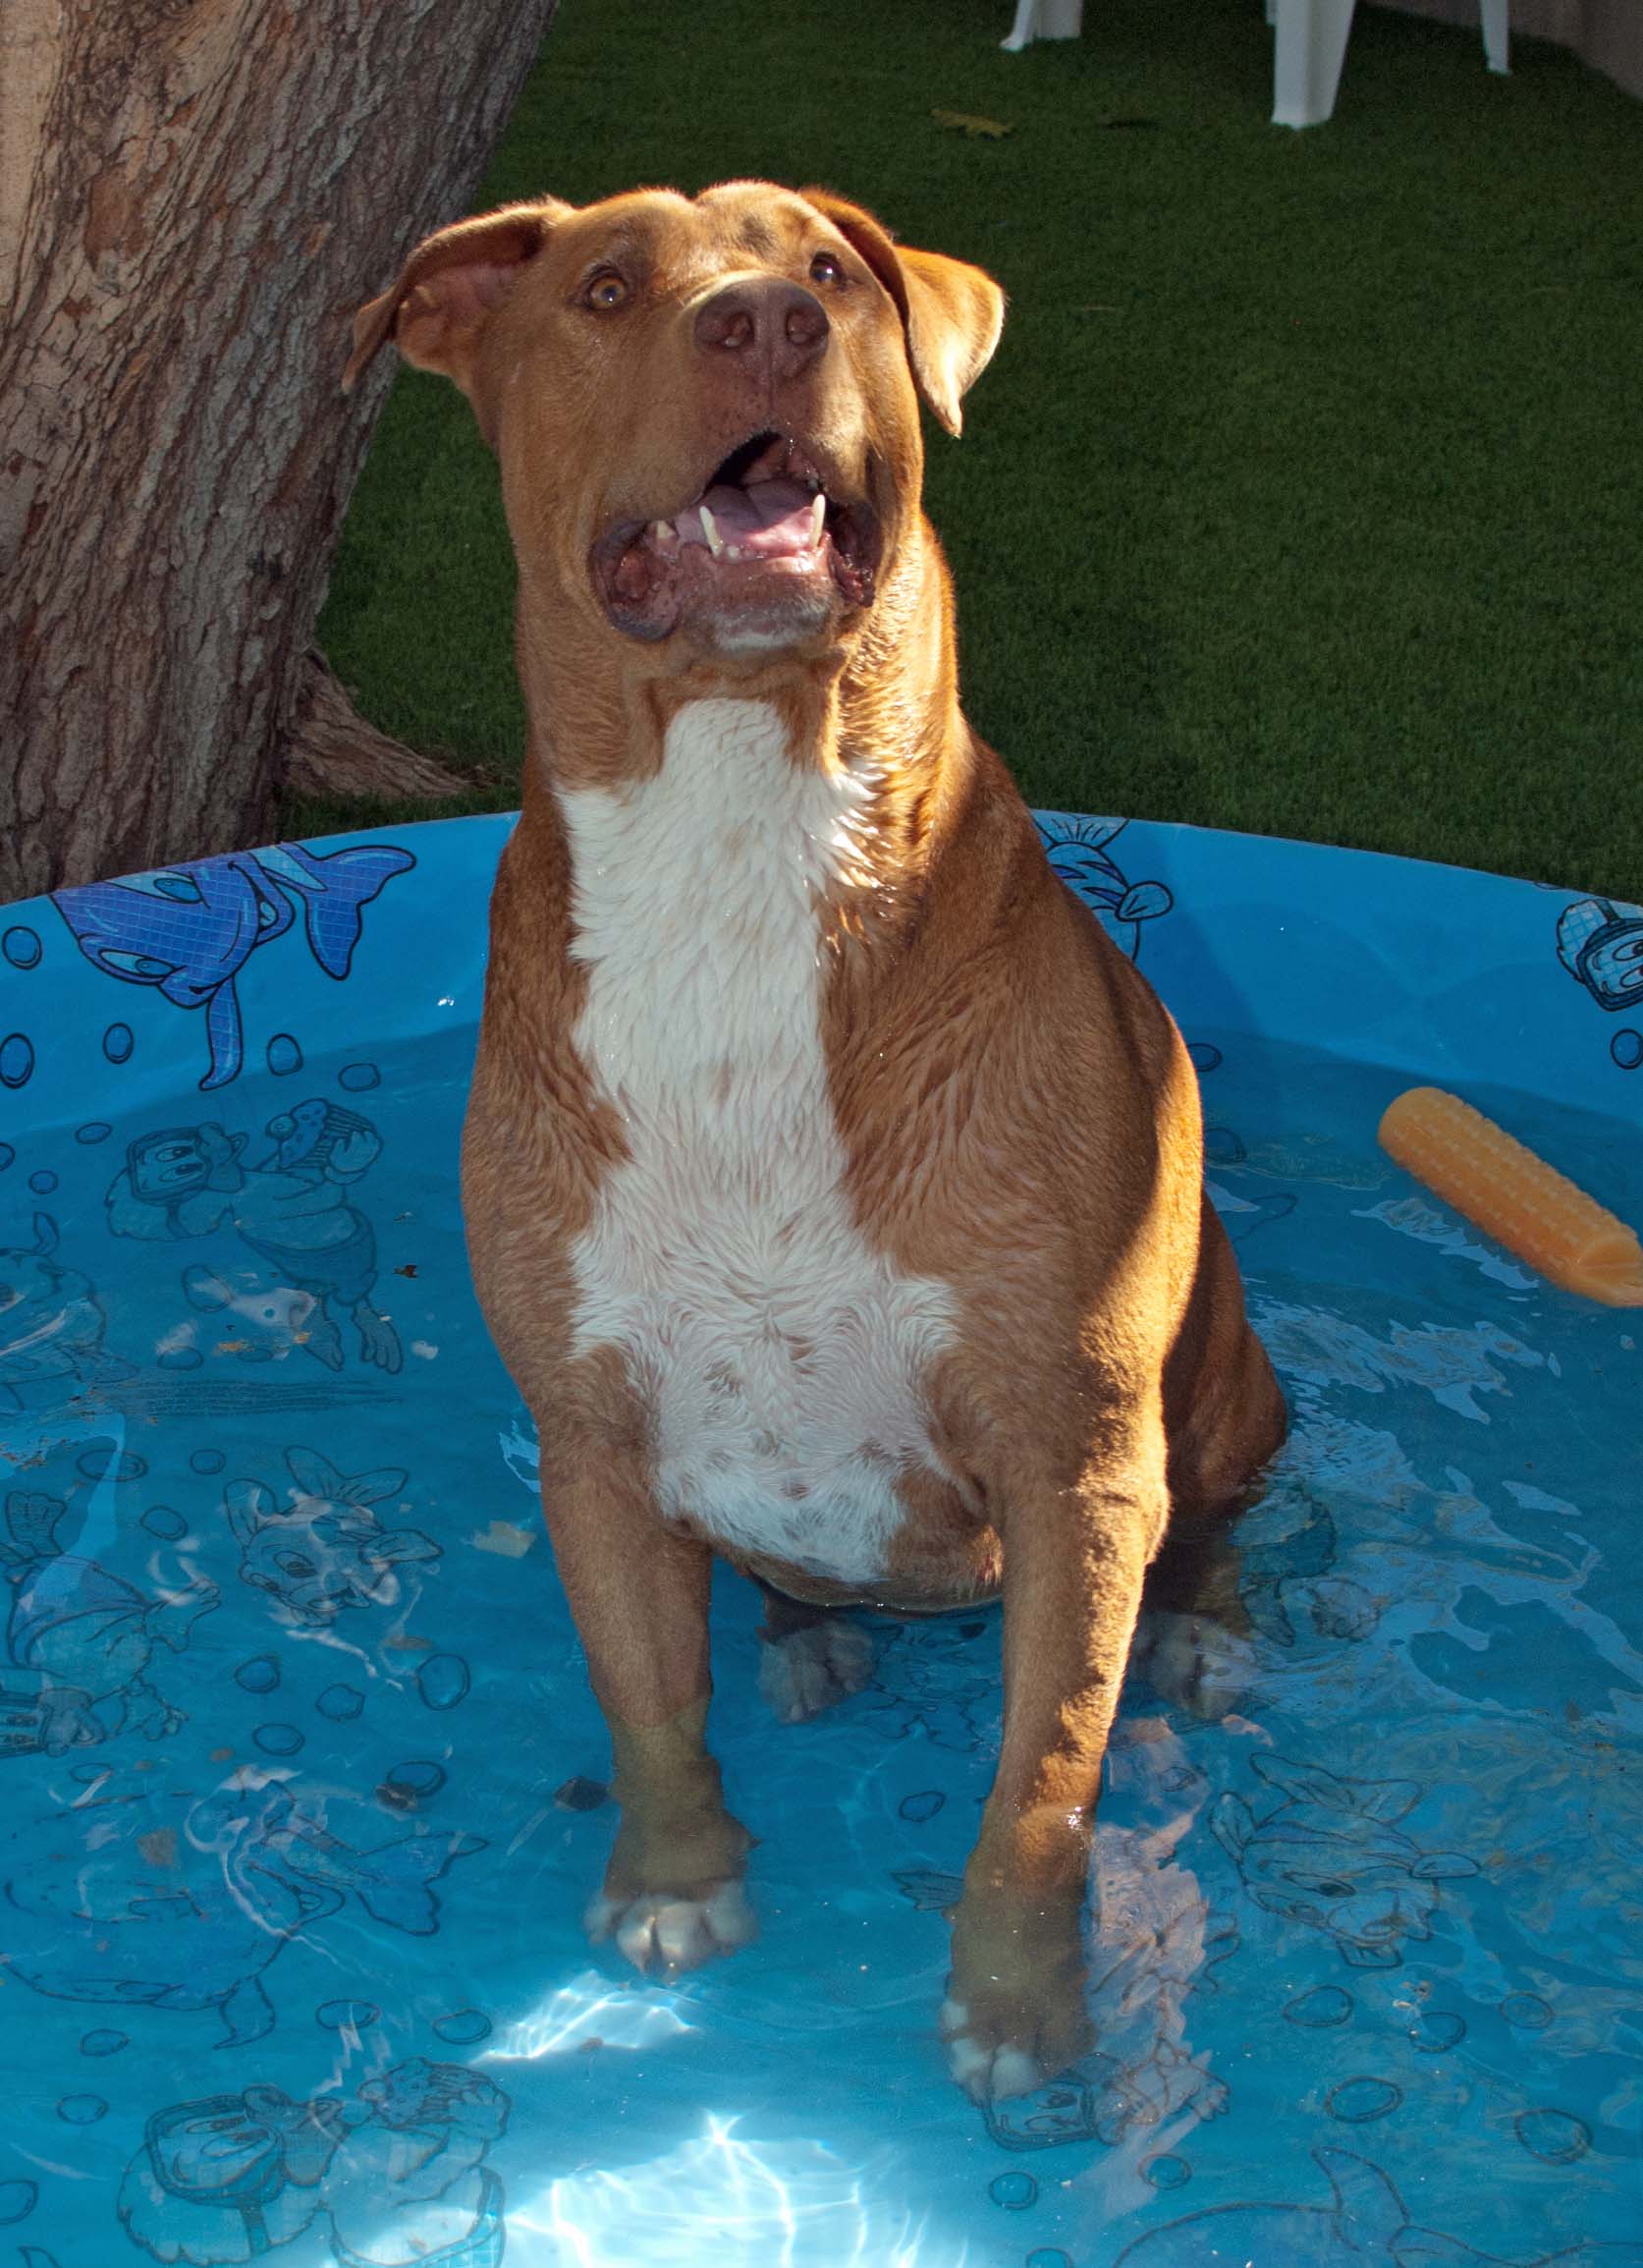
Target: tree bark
(194,197)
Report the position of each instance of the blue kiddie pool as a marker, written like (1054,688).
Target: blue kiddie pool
(302,1788)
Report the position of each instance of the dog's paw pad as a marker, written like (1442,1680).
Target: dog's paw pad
(1194,1662)
(663,1934)
(810,1669)
(986,2074)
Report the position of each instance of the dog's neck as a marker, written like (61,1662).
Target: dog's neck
(876,725)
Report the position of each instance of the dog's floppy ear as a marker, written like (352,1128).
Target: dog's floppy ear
(953,312)
(449,289)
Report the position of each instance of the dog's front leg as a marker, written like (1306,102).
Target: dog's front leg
(1074,1559)
(672,1896)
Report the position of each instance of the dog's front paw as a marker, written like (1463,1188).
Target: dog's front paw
(1010,2043)
(810,1669)
(664,1934)
(1014,2013)
(1193,1661)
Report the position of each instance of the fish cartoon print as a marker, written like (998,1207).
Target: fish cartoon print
(292,1209)
(80,1639)
(1329,1855)
(1078,850)
(51,1326)
(164,1900)
(1141,2074)
(188,930)
(1367,2226)
(328,1551)
(1141,2071)
(399,2174)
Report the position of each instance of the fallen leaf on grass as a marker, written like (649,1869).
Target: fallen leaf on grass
(961,121)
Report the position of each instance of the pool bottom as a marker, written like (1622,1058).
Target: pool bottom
(303,1789)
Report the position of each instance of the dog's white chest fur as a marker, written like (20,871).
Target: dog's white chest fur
(783,1359)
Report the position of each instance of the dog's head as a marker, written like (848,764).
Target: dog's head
(705,408)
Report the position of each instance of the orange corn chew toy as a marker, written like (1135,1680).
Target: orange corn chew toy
(1519,1199)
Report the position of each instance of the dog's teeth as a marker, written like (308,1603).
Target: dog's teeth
(733,552)
(818,516)
(715,541)
(662,530)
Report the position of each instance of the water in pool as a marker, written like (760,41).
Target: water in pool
(301,1788)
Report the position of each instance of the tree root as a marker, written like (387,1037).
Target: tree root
(332,751)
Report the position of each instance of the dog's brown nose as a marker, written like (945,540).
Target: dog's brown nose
(775,329)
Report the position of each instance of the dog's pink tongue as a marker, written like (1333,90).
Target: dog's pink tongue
(766,521)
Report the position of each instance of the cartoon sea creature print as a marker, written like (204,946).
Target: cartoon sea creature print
(51,1325)
(1139,2072)
(1286,1551)
(398,2174)
(1329,1855)
(165,1900)
(229,2178)
(79,1640)
(1600,945)
(417,2169)
(1367,2226)
(292,1209)
(930,1679)
(328,1551)
(188,930)
(1079,851)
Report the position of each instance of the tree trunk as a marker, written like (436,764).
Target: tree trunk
(193,200)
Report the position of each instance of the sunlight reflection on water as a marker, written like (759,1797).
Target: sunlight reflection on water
(722,2202)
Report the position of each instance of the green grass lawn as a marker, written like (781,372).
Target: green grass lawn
(1304,493)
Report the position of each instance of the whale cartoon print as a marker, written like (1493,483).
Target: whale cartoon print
(329,1551)
(188,930)
(1329,1854)
(165,1900)
(1360,2229)
(80,1639)
(1367,2226)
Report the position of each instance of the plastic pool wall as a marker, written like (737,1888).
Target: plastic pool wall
(302,1790)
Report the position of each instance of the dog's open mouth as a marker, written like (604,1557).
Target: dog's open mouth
(763,544)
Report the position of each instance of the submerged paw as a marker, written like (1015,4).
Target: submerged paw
(990,2069)
(664,1934)
(1194,1662)
(811,1668)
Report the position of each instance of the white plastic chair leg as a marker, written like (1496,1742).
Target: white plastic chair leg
(1044,20)
(1307,54)
(1496,36)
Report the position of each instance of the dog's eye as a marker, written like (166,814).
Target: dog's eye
(606,290)
(826,268)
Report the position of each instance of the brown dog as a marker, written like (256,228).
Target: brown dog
(833,1184)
